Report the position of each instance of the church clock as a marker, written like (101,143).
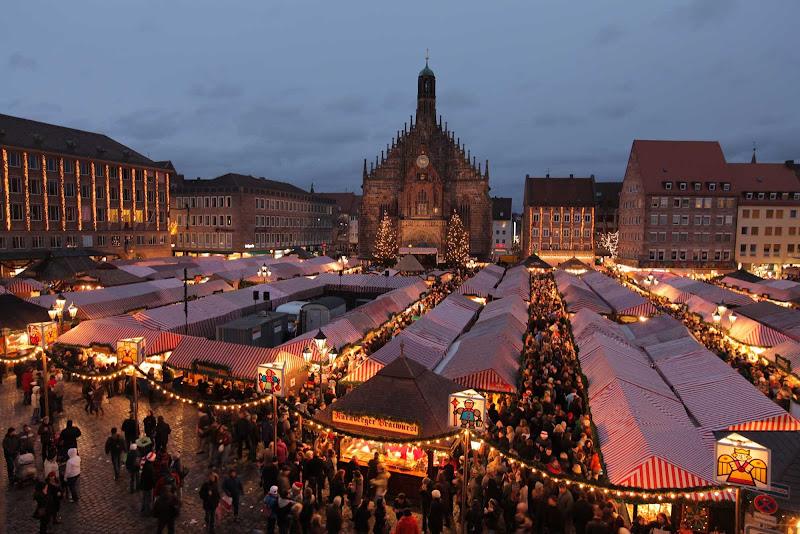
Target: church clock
(423,161)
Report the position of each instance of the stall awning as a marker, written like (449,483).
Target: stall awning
(363,372)
(102,333)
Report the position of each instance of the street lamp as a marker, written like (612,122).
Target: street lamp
(716,316)
(732,317)
(327,355)
(60,302)
(722,308)
(52,312)
(73,311)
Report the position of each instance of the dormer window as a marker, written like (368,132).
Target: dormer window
(761,196)
(726,186)
(773,196)
(712,186)
(797,196)
(668,186)
(697,186)
(748,196)
(682,186)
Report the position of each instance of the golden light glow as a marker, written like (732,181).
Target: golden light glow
(78,192)
(44,193)
(94,200)
(166,190)
(146,218)
(158,224)
(5,189)
(108,199)
(63,199)
(120,197)
(27,192)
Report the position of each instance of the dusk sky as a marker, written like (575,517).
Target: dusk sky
(304,91)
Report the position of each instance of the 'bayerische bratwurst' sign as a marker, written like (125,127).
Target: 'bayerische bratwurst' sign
(375,423)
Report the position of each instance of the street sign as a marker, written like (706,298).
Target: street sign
(777,490)
(765,504)
(765,520)
(752,529)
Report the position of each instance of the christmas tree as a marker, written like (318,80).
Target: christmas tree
(386,242)
(457,254)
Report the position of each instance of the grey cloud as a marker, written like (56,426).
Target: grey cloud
(699,13)
(348,104)
(456,99)
(609,34)
(20,61)
(217,91)
(148,124)
(615,111)
(550,119)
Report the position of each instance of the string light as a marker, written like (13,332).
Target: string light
(5,189)
(44,193)
(78,192)
(385,241)
(27,192)
(156,204)
(94,200)
(146,218)
(133,196)
(166,190)
(457,252)
(120,197)
(108,199)
(63,199)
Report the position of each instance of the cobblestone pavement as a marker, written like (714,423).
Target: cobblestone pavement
(105,504)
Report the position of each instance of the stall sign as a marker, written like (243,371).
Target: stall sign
(210,369)
(256,332)
(742,462)
(131,351)
(42,334)
(467,410)
(270,379)
(375,423)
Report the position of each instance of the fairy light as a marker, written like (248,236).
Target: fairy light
(541,226)
(158,224)
(120,196)
(108,199)
(27,192)
(561,229)
(133,196)
(94,200)
(583,211)
(78,195)
(166,190)
(146,218)
(63,197)
(571,220)
(5,189)
(44,193)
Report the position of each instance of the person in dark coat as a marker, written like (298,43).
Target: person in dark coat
(380,516)
(149,423)
(162,434)
(232,486)
(553,520)
(425,501)
(70,435)
(147,481)
(597,525)
(166,509)
(436,515)
(209,494)
(40,512)
(333,516)
(582,514)
(361,517)
(131,429)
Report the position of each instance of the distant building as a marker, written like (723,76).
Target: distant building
(768,224)
(235,213)
(502,227)
(677,206)
(606,217)
(345,224)
(71,189)
(516,222)
(559,218)
(422,178)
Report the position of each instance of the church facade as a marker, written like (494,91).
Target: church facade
(422,178)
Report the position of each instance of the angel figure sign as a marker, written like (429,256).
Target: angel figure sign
(742,462)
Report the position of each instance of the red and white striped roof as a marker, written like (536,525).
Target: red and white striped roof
(21,286)
(103,333)
(622,300)
(788,349)
(364,371)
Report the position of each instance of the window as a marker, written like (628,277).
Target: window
(707,202)
(35,187)
(139,195)
(17,212)
(744,230)
(52,164)
(36,212)
(72,241)
(52,188)
(37,241)
(576,218)
(676,220)
(139,176)
(535,232)
(206,202)
(69,213)
(761,196)
(151,196)
(33,162)
(748,196)
(779,214)
(773,196)
(99,170)
(770,214)
(545,232)
(126,195)
(536,217)
(69,166)
(140,240)
(18,241)
(767,230)
(100,192)
(779,230)
(556,218)
(53,213)
(16,185)
(792,214)
(726,186)
(86,191)
(55,241)
(101,215)
(754,230)
(684,220)
(587,218)
(13,159)
(668,186)
(69,190)
(113,193)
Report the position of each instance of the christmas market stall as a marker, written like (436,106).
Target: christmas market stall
(403,415)
(15,315)
(627,304)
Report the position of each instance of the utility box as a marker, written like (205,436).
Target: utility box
(265,329)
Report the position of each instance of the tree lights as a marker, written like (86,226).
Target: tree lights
(94,199)
(386,241)
(457,253)
(78,192)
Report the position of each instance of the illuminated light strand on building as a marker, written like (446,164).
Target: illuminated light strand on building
(27,192)
(120,197)
(63,198)
(571,230)
(108,199)
(561,231)
(146,218)
(158,225)
(133,198)
(583,211)
(166,189)
(44,193)
(550,237)
(5,189)
(78,193)
(541,226)
(591,239)
(94,200)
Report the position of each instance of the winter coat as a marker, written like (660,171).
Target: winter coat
(361,519)
(148,478)
(333,516)
(73,464)
(232,486)
(407,525)
(70,437)
(210,495)
(436,516)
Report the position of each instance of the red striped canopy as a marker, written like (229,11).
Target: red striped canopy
(622,300)
(364,371)
(750,332)
(20,286)
(645,309)
(103,333)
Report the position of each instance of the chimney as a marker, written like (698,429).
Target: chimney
(571,175)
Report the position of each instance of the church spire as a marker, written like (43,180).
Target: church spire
(426,95)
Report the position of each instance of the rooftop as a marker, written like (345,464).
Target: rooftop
(568,192)
(680,161)
(501,208)
(764,177)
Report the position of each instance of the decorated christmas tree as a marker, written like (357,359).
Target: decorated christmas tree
(386,242)
(457,254)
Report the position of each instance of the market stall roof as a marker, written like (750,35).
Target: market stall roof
(104,333)
(402,391)
(709,292)
(742,276)
(409,264)
(789,350)
(535,262)
(622,300)
(366,282)
(20,286)
(574,264)
(578,295)
(108,275)
(515,281)
(16,313)
(240,361)
(784,320)
(363,372)
(482,283)
(59,267)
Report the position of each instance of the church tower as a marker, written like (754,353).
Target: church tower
(422,177)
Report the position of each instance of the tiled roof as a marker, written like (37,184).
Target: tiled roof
(241,180)
(501,208)
(680,161)
(607,193)
(559,191)
(766,177)
(32,135)
(348,203)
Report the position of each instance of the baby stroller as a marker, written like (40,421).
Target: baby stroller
(25,469)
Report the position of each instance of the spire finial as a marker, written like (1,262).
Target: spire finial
(753,160)
(427,56)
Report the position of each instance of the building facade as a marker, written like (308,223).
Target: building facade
(768,225)
(70,189)
(559,219)
(345,224)
(677,207)
(422,178)
(502,227)
(606,220)
(235,213)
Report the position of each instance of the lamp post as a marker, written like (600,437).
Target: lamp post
(327,355)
